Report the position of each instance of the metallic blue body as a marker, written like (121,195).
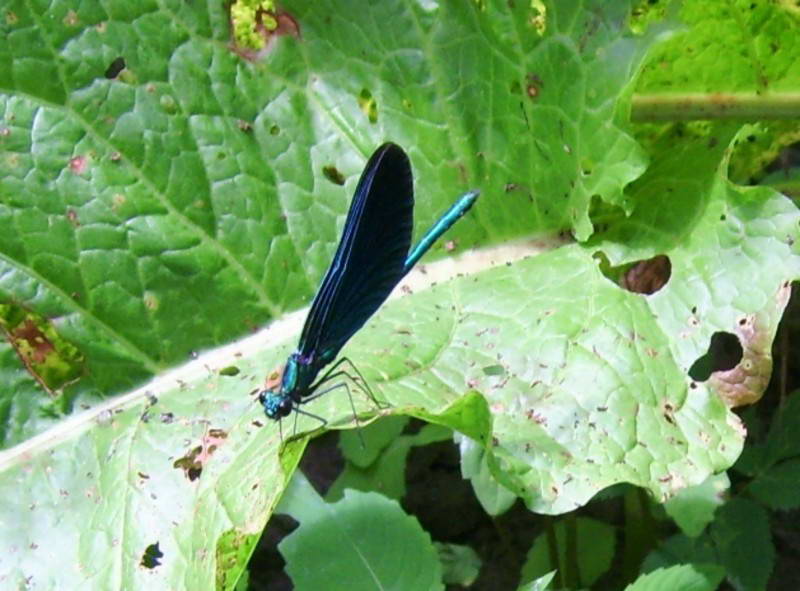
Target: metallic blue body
(450,217)
(372,257)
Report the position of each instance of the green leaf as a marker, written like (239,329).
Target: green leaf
(338,546)
(233,553)
(181,205)
(684,577)
(594,551)
(301,501)
(363,449)
(693,508)
(681,549)
(386,474)
(475,465)
(783,440)
(778,487)
(185,202)
(468,414)
(539,584)
(461,564)
(742,534)
(690,60)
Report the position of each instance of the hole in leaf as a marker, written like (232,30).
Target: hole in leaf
(647,276)
(368,105)
(724,353)
(115,67)
(152,556)
(333,175)
(191,466)
(192,463)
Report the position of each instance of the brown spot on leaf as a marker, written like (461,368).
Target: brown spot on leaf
(273,379)
(52,361)
(745,383)
(533,86)
(72,216)
(71,19)
(38,346)
(535,417)
(77,164)
(269,25)
(668,412)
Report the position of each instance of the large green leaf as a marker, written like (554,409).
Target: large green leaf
(185,201)
(195,197)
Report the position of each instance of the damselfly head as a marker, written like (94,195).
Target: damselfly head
(276,406)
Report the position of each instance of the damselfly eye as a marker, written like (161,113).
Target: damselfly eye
(275,406)
(285,407)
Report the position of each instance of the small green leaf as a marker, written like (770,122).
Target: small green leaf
(540,584)
(492,495)
(778,487)
(681,549)
(362,450)
(693,507)
(783,440)
(301,501)
(340,546)
(683,577)
(742,534)
(461,564)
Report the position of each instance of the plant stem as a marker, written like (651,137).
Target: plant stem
(669,106)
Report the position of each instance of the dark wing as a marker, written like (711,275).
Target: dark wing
(369,260)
